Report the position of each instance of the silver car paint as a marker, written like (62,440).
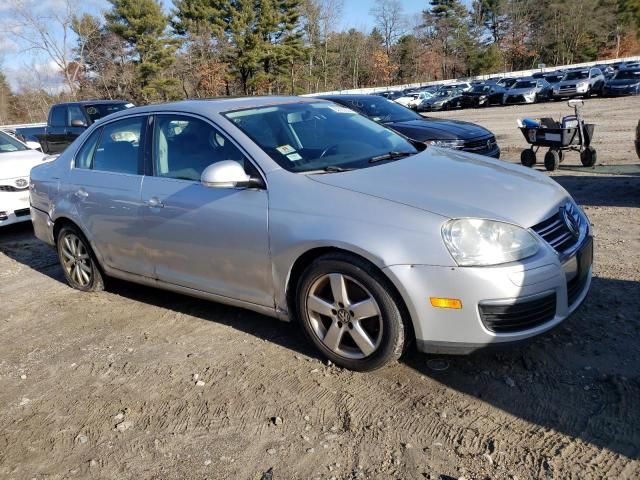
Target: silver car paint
(376,213)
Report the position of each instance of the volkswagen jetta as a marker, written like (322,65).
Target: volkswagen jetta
(303,209)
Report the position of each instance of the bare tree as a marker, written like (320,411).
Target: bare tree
(389,18)
(48,32)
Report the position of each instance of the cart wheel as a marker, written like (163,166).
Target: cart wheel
(551,160)
(561,155)
(588,157)
(528,158)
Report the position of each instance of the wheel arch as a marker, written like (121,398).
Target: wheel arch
(62,221)
(309,256)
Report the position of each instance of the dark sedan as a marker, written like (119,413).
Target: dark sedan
(482,95)
(432,131)
(625,82)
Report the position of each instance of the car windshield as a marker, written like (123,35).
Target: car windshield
(628,75)
(524,84)
(380,109)
(101,110)
(445,93)
(579,75)
(10,144)
(481,88)
(553,78)
(305,137)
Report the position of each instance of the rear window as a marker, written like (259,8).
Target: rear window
(101,110)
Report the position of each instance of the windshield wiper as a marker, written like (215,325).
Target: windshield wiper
(335,169)
(390,156)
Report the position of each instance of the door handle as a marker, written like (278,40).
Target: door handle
(81,194)
(154,202)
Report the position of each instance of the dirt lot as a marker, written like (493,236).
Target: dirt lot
(74,366)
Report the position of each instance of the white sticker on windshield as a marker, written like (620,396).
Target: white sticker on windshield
(294,157)
(286,149)
(339,109)
(129,105)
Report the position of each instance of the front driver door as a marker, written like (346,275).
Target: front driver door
(208,239)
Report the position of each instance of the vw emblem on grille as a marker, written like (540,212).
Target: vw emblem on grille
(570,218)
(22,183)
(489,144)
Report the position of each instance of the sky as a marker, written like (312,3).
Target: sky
(20,64)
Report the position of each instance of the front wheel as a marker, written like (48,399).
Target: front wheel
(528,158)
(78,262)
(588,157)
(349,312)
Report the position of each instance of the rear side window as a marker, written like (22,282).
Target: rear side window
(58,116)
(86,152)
(120,147)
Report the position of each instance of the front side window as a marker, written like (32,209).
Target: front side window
(184,146)
(304,137)
(75,113)
(120,147)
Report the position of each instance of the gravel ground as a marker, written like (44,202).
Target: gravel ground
(136,382)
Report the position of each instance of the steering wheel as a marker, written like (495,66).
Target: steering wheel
(327,150)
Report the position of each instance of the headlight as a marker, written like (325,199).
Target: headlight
(446,143)
(582,87)
(478,242)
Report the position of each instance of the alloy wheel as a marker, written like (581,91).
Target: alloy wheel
(76,260)
(344,316)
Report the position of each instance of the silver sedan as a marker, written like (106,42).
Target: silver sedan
(302,209)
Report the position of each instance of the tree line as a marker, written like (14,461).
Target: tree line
(206,48)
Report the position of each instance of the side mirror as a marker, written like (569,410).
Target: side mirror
(78,123)
(228,174)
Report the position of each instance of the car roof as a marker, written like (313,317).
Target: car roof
(215,106)
(345,96)
(93,102)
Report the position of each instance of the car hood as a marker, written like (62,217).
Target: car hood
(572,82)
(521,91)
(437,129)
(19,164)
(456,184)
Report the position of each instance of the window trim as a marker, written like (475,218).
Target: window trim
(151,166)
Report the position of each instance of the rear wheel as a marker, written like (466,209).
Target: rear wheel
(588,157)
(528,158)
(78,262)
(349,312)
(551,160)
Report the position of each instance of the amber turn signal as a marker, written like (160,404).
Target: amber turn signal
(446,303)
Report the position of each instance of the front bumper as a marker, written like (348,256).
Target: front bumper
(463,331)
(515,99)
(620,92)
(14,207)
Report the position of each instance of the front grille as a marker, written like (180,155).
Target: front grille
(568,89)
(514,99)
(11,188)
(518,316)
(23,212)
(555,231)
(484,145)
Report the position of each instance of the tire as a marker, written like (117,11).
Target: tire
(551,160)
(79,264)
(528,158)
(376,339)
(588,157)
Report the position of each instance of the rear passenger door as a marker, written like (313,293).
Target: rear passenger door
(104,188)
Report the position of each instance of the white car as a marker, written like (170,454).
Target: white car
(16,161)
(405,99)
(418,98)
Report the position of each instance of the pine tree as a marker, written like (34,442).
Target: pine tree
(143,25)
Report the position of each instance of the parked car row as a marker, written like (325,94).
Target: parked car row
(606,80)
